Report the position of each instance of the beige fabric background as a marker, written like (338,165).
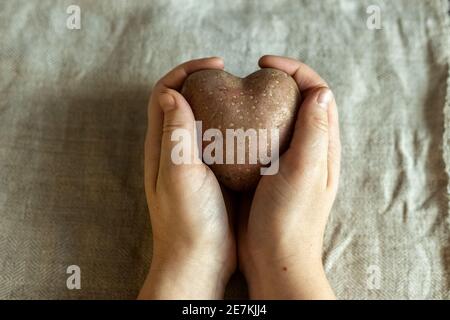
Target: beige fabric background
(73,118)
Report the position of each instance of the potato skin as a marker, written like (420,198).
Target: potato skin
(266,99)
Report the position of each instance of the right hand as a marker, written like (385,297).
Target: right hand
(281,229)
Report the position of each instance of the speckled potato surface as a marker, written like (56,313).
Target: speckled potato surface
(266,99)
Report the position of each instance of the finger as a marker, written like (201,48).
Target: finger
(174,79)
(334,148)
(152,143)
(308,151)
(179,142)
(304,75)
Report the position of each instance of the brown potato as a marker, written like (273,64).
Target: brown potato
(266,99)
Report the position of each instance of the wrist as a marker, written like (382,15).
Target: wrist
(185,275)
(289,277)
(305,253)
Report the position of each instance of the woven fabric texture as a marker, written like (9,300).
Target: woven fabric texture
(73,119)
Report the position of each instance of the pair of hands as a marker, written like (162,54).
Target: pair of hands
(201,231)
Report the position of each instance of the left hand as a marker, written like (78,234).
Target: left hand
(194,251)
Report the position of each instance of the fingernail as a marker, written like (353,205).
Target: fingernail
(167,102)
(324,98)
(218,58)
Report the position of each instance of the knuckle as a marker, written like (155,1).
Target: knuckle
(307,176)
(165,90)
(305,168)
(318,121)
(160,88)
(171,126)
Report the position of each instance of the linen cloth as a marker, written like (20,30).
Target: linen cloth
(73,120)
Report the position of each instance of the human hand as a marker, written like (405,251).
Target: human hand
(281,230)
(193,242)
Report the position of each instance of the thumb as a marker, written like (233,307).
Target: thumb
(179,142)
(309,144)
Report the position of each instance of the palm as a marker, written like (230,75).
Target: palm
(257,211)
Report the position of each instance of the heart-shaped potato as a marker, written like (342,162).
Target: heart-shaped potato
(267,99)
